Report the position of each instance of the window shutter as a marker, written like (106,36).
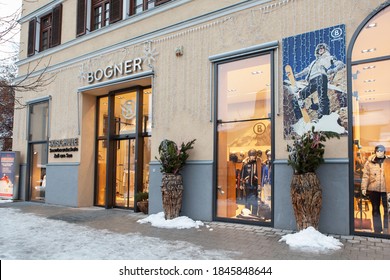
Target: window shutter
(81,20)
(115,10)
(31,37)
(56,27)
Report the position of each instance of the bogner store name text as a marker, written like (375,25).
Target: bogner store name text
(125,68)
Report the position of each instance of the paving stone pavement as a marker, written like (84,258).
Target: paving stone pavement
(250,242)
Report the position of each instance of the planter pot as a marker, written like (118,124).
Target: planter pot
(172,195)
(306,195)
(143,206)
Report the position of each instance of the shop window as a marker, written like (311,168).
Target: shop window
(371,125)
(49,32)
(39,121)
(38,132)
(244,165)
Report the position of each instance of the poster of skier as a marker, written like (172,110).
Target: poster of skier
(315,82)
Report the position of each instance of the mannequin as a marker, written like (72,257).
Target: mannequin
(250,181)
(233,158)
(376,177)
(266,179)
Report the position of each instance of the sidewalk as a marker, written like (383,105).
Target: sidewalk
(249,242)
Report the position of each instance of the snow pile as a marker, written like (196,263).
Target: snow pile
(182,222)
(310,239)
(5,200)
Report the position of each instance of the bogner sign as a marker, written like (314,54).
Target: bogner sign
(125,68)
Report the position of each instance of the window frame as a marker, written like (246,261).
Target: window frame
(45,29)
(111,12)
(53,29)
(356,200)
(103,4)
(217,60)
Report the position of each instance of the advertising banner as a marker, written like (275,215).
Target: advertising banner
(315,82)
(9,174)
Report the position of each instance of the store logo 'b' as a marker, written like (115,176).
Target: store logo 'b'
(336,33)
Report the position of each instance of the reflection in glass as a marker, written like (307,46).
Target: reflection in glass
(125,112)
(125,173)
(244,89)
(147,111)
(146,161)
(38,171)
(101,173)
(103,116)
(39,121)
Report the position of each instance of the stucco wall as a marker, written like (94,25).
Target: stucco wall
(183,97)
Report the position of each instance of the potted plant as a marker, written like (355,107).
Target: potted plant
(306,154)
(172,160)
(142,201)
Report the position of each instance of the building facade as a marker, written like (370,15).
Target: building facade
(241,77)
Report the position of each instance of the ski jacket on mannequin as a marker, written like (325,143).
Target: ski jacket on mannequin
(376,175)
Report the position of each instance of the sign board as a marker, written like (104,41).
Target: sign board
(9,174)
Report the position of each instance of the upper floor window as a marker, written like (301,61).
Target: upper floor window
(46,32)
(100,13)
(138,6)
(105,12)
(49,32)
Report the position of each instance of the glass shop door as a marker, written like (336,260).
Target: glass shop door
(124,173)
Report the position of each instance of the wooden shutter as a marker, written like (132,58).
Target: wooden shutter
(56,27)
(81,20)
(115,10)
(31,37)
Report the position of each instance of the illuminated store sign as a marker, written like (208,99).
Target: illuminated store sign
(125,68)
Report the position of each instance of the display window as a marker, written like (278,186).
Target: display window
(244,146)
(371,126)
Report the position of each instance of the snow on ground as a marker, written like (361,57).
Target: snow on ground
(26,236)
(311,240)
(29,237)
(182,222)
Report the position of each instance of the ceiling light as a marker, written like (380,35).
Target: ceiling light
(370,90)
(371,25)
(368,50)
(369,67)
(369,81)
(256,72)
